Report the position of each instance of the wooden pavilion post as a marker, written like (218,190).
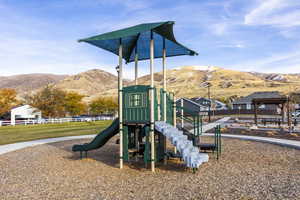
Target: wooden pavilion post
(282,113)
(120,91)
(136,60)
(288,113)
(255,113)
(152,102)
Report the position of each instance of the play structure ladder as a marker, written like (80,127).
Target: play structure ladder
(189,153)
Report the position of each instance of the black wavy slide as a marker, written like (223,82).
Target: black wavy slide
(100,139)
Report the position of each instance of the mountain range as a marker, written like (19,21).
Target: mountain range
(25,83)
(185,81)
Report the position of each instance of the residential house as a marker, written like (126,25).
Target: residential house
(215,104)
(245,103)
(24,112)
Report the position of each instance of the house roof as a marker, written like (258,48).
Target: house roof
(25,110)
(191,105)
(258,95)
(190,101)
(202,101)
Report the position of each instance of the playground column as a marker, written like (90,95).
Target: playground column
(152,103)
(121,103)
(164,95)
(164,81)
(136,60)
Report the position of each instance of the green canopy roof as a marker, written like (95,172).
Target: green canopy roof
(137,39)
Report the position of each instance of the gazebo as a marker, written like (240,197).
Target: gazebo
(141,42)
(279,100)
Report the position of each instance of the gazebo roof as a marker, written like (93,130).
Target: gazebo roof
(137,39)
(269,98)
(261,96)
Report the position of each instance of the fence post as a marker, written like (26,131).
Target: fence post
(174,111)
(220,139)
(198,126)
(201,121)
(181,105)
(174,118)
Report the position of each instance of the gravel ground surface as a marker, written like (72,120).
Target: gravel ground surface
(247,170)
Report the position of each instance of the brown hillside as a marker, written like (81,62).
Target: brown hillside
(29,82)
(89,83)
(187,81)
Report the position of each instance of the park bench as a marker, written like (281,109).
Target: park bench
(276,121)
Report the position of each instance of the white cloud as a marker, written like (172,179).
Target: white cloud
(25,55)
(290,33)
(219,28)
(278,13)
(280,63)
(234,45)
(36,44)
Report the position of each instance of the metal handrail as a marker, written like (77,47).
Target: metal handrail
(196,120)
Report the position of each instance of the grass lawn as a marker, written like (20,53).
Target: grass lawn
(20,133)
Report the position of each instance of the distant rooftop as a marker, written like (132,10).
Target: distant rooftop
(258,95)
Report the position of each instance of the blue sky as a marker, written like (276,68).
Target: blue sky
(40,36)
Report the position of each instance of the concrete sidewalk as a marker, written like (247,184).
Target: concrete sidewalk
(20,145)
(209,126)
(282,142)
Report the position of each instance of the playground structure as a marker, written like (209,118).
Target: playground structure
(144,124)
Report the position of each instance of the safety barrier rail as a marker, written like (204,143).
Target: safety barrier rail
(195,119)
(169,105)
(218,141)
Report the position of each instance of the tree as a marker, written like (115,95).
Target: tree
(7,100)
(228,100)
(103,105)
(50,100)
(112,105)
(295,97)
(73,104)
(54,102)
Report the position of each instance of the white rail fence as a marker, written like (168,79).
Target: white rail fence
(55,120)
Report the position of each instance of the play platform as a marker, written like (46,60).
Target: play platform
(147,116)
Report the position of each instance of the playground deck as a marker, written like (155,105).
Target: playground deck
(247,170)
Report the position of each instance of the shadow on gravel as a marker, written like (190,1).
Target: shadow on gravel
(108,154)
(172,165)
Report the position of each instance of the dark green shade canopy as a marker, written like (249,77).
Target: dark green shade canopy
(137,39)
